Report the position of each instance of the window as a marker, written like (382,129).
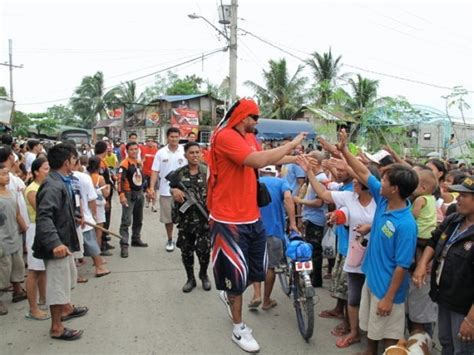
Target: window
(427,136)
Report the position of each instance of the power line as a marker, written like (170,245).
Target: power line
(354,66)
(201,57)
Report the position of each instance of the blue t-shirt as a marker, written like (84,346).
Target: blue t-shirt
(316,215)
(273,215)
(342,231)
(293,173)
(392,243)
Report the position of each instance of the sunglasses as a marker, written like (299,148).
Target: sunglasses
(254,117)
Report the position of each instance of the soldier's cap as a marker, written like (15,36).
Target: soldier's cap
(466,186)
(269,169)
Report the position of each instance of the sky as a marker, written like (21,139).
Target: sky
(398,43)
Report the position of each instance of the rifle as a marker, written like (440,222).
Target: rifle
(191,200)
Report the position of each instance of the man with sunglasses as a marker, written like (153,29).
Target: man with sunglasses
(237,232)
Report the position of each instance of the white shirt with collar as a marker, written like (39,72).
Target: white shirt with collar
(166,161)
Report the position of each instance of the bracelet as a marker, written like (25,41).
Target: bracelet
(469,322)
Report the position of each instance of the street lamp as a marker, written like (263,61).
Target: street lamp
(232,45)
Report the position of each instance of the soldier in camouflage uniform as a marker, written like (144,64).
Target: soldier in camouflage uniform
(193,227)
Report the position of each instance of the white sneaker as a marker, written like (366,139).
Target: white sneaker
(244,339)
(225,300)
(169,246)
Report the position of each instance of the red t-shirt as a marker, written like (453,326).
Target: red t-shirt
(234,196)
(148,155)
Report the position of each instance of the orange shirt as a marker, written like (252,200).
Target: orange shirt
(148,155)
(234,195)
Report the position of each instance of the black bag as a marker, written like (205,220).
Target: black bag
(263,196)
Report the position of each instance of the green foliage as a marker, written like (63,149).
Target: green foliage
(3,91)
(282,94)
(186,86)
(45,125)
(20,123)
(125,95)
(63,115)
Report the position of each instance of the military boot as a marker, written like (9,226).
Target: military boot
(191,282)
(206,284)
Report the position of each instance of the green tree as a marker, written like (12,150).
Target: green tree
(88,101)
(3,91)
(364,94)
(189,85)
(325,72)
(42,123)
(63,115)
(20,123)
(125,95)
(282,94)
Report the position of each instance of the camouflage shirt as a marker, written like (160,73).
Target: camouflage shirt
(196,185)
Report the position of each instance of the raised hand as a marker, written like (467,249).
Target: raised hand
(338,164)
(299,138)
(342,139)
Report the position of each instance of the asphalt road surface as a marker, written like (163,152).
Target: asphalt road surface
(140,309)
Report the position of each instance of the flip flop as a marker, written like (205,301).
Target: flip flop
(255,303)
(18,297)
(77,312)
(69,334)
(32,317)
(346,342)
(102,274)
(272,304)
(331,314)
(82,279)
(339,331)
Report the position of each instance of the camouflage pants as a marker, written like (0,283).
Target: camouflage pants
(339,279)
(197,240)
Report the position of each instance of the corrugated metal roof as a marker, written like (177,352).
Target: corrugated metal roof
(111,122)
(175,98)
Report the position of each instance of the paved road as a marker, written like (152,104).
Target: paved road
(139,309)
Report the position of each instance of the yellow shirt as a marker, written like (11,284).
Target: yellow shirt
(111,160)
(33,187)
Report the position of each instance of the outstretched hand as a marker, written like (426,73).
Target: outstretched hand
(328,147)
(338,164)
(299,138)
(342,139)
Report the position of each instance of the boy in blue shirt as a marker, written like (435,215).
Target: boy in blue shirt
(390,251)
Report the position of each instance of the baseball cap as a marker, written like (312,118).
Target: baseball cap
(466,186)
(269,169)
(382,157)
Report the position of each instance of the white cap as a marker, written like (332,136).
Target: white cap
(378,157)
(269,169)
(105,138)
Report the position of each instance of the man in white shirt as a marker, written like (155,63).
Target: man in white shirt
(34,148)
(169,158)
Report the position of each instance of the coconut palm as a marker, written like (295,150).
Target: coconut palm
(364,94)
(282,95)
(88,100)
(326,73)
(124,95)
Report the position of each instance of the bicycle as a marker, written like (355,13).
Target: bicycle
(294,277)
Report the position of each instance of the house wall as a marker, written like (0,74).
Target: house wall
(436,136)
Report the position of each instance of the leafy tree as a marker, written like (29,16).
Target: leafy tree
(63,115)
(364,93)
(43,124)
(186,86)
(282,94)
(124,95)
(3,91)
(20,123)
(88,101)
(325,72)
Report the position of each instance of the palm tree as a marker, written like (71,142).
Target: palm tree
(364,94)
(124,95)
(325,72)
(88,101)
(282,95)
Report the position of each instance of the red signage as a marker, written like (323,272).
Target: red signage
(186,119)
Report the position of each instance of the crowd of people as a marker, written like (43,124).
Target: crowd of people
(402,231)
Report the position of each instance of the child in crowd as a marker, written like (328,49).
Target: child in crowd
(12,267)
(422,312)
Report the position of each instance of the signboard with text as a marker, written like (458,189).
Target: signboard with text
(186,119)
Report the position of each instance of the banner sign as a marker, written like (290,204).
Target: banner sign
(186,119)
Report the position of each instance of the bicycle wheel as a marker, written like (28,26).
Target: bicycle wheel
(304,307)
(284,278)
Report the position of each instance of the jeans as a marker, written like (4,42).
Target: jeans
(314,236)
(134,209)
(449,323)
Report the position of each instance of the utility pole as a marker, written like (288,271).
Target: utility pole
(233,52)
(11,66)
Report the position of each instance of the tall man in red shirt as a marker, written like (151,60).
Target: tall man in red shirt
(238,236)
(148,155)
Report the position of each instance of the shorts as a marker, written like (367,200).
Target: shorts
(61,275)
(79,254)
(12,269)
(165,209)
(91,248)
(355,282)
(339,279)
(147,183)
(420,307)
(33,263)
(100,214)
(275,251)
(378,327)
(239,255)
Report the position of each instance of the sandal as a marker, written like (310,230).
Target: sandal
(102,274)
(340,330)
(32,317)
(77,312)
(82,279)
(346,342)
(18,297)
(255,303)
(68,334)
(331,314)
(272,304)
